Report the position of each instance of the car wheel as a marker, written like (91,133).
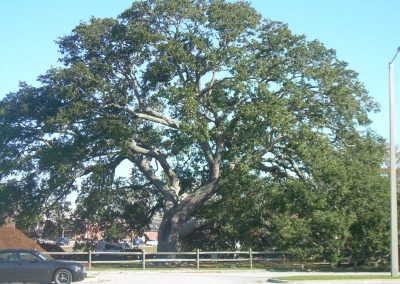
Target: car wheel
(62,276)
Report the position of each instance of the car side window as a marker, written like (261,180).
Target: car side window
(7,256)
(27,257)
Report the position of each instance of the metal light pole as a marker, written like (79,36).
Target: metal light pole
(393,176)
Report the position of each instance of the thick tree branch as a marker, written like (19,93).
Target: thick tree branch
(190,226)
(299,173)
(208,90)
(112,165)
(274,169)
(162,160)
(156,115)
(217,158)
(144,166)
(285,163)
(147,114)
(200,195)
(207,154)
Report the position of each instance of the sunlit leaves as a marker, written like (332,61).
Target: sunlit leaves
(190,91)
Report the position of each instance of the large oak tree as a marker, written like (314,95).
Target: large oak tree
(185,90)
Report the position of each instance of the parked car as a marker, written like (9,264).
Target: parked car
(19,265)
(62,241)
(152,243)
(103,246)
(137,242)
(111,251)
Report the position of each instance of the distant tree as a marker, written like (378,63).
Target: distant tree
(28,222)
(184,90)
(51,230)
(117,211)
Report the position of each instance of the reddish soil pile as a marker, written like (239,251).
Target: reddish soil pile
(11,238)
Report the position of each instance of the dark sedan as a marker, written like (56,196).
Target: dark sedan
(18,265)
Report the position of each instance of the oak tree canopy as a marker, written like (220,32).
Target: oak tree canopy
(187,92)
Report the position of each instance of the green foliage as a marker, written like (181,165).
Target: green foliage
(28,220)
(51,230)
(326,218)
(114,232)
(87,245)
(116,210)
(216,110)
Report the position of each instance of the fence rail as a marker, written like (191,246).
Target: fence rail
(197,257)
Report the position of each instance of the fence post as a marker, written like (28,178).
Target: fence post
(251,259)
(144,259)
(198,259)
(90,259)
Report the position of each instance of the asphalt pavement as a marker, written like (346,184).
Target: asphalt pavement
(217,277)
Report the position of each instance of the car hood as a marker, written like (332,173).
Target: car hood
(66,263)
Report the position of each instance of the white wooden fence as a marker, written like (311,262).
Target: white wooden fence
(196,257)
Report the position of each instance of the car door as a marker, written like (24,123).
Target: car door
(30,268)
(7,267)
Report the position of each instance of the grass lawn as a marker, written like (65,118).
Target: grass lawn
(335,277)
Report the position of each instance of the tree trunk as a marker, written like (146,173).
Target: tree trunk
(169,233)
(177,222)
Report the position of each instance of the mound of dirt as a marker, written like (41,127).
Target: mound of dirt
(11,238)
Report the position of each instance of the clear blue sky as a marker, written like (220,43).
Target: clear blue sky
(365,33)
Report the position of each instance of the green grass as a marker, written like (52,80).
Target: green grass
(335,277)
(148,249)
(127,267)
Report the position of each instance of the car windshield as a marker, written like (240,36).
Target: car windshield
(43,256)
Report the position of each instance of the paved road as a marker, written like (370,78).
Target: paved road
(271,275)
(217,277)
(177,277)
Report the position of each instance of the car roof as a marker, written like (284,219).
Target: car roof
(18,250)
